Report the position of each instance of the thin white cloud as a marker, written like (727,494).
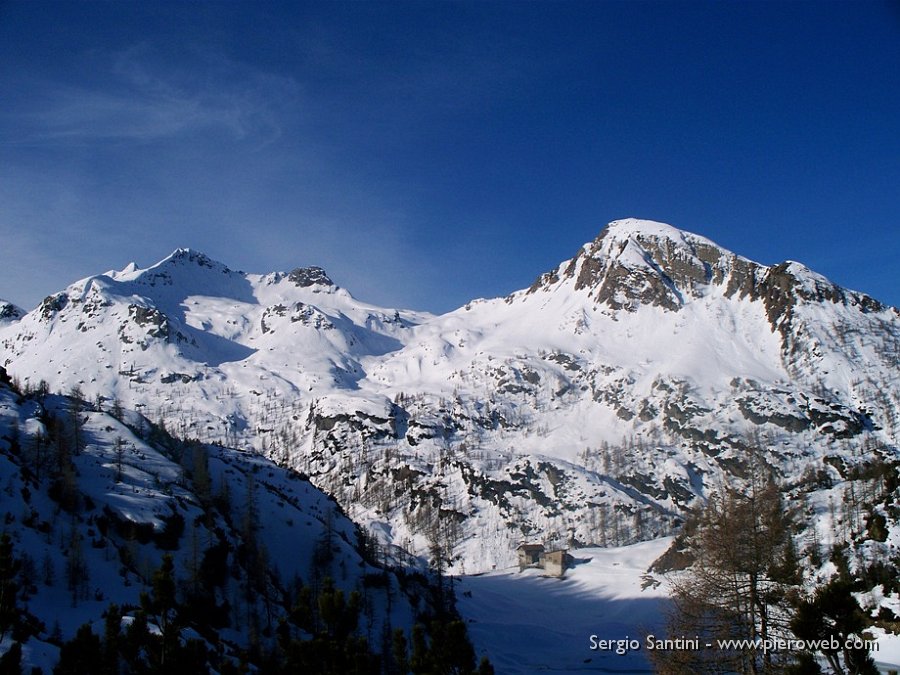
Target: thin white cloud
(141,100)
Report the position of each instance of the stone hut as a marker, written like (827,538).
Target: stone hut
(535,556)
(555,563)
(530,555)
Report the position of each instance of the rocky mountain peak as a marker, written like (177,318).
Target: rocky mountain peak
(190,256)
(636,262)
(309,276)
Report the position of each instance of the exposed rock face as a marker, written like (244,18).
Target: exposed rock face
(9,312)
(189,256)
(52,305)
(630,265)
(310,276)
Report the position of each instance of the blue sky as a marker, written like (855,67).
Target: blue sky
(429,153)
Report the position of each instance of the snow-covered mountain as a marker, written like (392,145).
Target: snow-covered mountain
(590,408)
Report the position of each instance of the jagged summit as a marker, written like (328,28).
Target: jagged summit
(183,272)
(636,262)
(187,253)
(190,258)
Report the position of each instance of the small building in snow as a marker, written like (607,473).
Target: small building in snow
(530,555)
(555,563)
(535,556)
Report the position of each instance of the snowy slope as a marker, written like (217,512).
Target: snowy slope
(592,408)
(528,623)
(204,346)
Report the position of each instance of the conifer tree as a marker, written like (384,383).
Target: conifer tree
(82,654)
(77,571)
(112,639)
(399,651)
(9,566)
(743,564)
(119,450)
(419,658)
(162,605)
(11,661)
(833,618)
(76,406)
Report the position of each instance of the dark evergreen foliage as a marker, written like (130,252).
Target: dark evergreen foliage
(82,654)
(9,567)
(833,612)
(11,661)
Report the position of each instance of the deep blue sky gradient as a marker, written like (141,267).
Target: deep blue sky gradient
(429,153)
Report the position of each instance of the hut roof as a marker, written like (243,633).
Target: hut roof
(531,548)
